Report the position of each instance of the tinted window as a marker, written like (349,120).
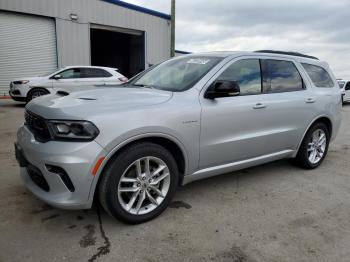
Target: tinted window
(318,75)
(280,76)
(246,73)
(94,73)
(347,87)
(70,73)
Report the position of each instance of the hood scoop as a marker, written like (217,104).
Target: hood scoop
(86,98)
(62,93)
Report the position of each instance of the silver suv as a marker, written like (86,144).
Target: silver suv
(188,118)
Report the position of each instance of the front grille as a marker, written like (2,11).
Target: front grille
(38,178)
(38,126)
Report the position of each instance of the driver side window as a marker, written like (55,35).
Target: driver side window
(70,73)
(246,73)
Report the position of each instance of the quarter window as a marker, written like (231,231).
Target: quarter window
(94,73)
(318,75)
(280,76)
(247,75)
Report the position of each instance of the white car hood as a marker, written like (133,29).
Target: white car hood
(35,78)
(86,104)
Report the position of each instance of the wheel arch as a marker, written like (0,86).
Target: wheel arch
(320,119)
(174,146)
(34,89)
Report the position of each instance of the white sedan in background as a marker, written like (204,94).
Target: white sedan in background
(72,77)
(345,87)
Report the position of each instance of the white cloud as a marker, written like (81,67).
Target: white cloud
(315,27)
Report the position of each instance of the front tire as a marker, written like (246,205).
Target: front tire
(139,183)
(314,147)
(34,93)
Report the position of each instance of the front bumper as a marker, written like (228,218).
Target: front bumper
(19,92)
(76,159)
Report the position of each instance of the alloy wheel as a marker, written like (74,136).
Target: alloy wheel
(144,185)
(317,146)
(37,94)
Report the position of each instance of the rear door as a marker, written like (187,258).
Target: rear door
(94,76)
(290,101)
(326,92)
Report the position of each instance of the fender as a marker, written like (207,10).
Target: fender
(124,143)
(307,129)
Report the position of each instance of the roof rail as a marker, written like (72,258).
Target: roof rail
(286,53)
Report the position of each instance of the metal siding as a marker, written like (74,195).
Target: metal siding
(27,47)
(74,47)
(73,43)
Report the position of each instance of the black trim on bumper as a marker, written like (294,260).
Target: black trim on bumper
(18,99)
(33,172)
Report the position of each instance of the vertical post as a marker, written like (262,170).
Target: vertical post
(172,39)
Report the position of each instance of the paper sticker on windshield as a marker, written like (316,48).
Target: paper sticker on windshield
(200,61)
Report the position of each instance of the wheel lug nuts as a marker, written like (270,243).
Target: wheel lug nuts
(138,184)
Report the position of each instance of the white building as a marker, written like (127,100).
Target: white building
(37,36)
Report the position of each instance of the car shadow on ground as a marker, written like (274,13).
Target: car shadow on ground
(182,199)
(6,103)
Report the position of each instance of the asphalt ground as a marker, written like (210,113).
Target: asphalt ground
(274,212)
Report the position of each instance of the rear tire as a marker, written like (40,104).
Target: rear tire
(314,147)
(34,93)
(132,190)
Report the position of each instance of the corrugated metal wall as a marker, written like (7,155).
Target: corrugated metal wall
(73,38)
(27,47)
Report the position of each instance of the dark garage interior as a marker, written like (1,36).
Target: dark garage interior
(118,50)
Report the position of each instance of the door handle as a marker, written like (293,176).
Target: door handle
(310,100)
(259,106)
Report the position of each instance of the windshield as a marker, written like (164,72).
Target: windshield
(177,74)
(51,72)
(341,84)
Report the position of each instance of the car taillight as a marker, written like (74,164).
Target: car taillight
(123,79)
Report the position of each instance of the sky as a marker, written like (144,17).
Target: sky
(316,27)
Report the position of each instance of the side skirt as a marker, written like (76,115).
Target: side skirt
(234,166)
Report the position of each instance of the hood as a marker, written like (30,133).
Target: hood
(87,104)
(35,78)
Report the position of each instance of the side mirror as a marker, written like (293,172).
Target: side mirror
(56,77)
(223,88)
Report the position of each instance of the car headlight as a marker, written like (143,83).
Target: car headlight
(73,130)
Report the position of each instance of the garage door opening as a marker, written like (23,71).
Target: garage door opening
(122,50)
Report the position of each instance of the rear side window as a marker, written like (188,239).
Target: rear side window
(318,75)
(280,76)
(247,75)
(94,73)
